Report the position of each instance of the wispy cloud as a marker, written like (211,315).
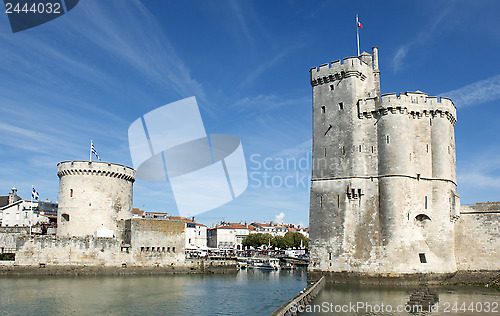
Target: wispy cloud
(241,20)
(258,104)
(397,60)
(479,176)
(421,39)
(476,93)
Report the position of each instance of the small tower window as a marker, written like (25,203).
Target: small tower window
(331,87)
(70,192)
(422,257)
(323,109)
(341,106)
(387,139)
(359,148)
(372,149)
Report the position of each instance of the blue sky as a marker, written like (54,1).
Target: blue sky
(90,73)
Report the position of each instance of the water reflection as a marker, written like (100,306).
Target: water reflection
(250,292)
(357,299)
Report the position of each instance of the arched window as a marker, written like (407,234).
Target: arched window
(421,220)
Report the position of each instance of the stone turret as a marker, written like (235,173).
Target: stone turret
(93,197)
(383,192)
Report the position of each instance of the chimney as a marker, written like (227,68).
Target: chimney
(375,58)
(246,225)
(13,195)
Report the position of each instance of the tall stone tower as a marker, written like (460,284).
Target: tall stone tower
(93,196)
(383,193)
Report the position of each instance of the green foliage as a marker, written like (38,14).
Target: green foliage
(7,256)
(290,240)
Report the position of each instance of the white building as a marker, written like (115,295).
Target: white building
(272,228)
(228,236)
(21,213)
(196,236)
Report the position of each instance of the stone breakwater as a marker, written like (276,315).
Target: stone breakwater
(195,266)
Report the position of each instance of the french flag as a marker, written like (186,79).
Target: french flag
(360,25)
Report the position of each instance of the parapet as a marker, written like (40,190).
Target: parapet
(416,103)
(359,66)
(97,168)
(337,70)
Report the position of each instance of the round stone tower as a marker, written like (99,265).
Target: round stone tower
(93,196)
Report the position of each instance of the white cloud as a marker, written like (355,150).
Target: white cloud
(476,93)
(279,218)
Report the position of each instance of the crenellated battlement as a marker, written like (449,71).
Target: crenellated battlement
(340,69)
(415,104)
(96,168)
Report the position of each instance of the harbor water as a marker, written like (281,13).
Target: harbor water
(247,292)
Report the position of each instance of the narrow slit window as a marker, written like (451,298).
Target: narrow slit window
(343,150)
(323,109)
(427,147)
(372,149)
(387,139)
(341,106)
(329,256)
(325,151)
(422,257)
(70,192)
(359,148)
(425,202)
(338,201)
(321,201)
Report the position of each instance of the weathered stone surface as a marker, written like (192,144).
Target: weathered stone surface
(383,194)
(93,195)
(477,240)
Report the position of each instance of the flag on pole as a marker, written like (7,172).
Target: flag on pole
(358,26)
(93,151)
(34,194)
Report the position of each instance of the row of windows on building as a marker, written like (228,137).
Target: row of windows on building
(358,193)
(360,148)
(157,249)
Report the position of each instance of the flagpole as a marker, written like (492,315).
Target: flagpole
(357,31)
(31,207)
(90,153)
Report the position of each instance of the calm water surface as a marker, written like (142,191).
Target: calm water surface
(451,300)
(246,293)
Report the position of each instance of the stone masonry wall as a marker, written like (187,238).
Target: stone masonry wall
(477,237)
